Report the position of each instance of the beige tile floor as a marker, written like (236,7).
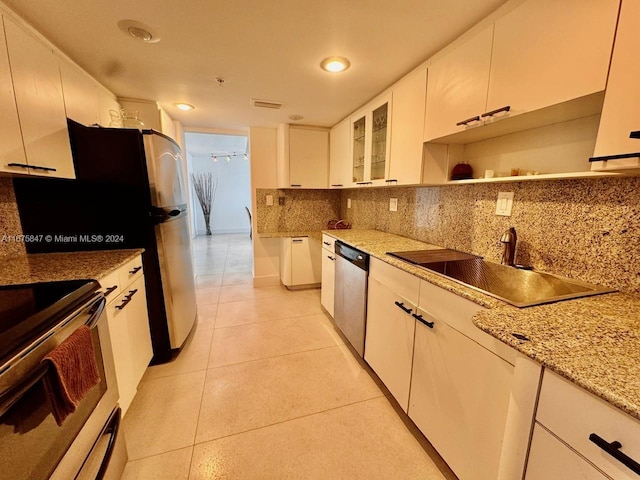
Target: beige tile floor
(265,388)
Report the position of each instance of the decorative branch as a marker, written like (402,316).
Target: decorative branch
(205,187)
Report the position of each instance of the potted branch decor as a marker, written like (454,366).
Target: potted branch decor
(205,187)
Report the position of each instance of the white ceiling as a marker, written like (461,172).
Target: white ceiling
(270,50)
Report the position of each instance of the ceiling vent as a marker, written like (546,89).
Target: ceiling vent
(265,104)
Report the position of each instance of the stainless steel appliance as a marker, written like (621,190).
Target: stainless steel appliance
(350,294)
(89,443)
(129,193)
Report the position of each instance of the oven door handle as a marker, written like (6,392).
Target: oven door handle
(112,429)
(95,311)
(11,396)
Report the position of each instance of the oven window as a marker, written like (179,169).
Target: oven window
(31,443)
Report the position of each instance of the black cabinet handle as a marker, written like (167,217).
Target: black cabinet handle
(333,259)
(364,183)
(110,290)
(337,185)
(296,185)
(327,243)
(497,110)
(401,306)
(21,165)
(47,169)
(468,120)
(135,270)
(635,134)
(613,449)
(421,319)
(297,240)
(127,299)
(391,180)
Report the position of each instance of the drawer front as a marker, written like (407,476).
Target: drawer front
(550,458)
(401,283)
(327,242)
(111,286)
(130,272)
(574,414)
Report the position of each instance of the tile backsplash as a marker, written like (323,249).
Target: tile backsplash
(10,228)
(587,229)
(303,210)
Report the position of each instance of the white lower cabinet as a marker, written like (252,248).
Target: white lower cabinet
(128,327)
(550,459)
(328,273)
(589,428)
(392,299)
(300,262)
(461,384)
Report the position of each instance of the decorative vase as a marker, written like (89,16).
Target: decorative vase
(207,223)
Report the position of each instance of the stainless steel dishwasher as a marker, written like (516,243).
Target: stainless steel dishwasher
(350,294)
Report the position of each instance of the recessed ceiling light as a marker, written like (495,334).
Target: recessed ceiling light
(295,117)
(139,31)
(184,106)
(335,64)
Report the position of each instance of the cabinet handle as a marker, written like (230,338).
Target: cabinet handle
(327,243)
(135,270)
(110,290)
(364,183)
(613,449)
(333,259)
(21,165)
(337,185)
(47,169)
(497,110)
(127,299)
(468,120)
(635,134)
(297,240)
(391,180)
(421,319)
(296,185)
(401,306)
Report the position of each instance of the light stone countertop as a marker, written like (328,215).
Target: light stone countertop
(592,341)
(313,235)
(49,267)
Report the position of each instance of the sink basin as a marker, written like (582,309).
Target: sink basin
(521,288)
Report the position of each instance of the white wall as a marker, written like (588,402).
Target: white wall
(266,251)
(233,194)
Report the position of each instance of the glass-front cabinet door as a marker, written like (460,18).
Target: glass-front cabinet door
(370,143)
(359,126)
(379,142)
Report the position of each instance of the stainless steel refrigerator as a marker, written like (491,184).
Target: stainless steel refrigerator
(129,192)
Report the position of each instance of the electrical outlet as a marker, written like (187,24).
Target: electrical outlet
(348,203)
(504,204)
(269,200)
(281,201)
(393,204)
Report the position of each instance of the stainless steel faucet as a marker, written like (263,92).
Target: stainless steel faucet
(509,240)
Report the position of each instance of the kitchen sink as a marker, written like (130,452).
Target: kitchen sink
(519,287)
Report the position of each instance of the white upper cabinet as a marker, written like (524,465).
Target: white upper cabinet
(302,157)
(405,166)
(621,111)
(11,146)
(546,52)
(80,94)
(38,90)
(457,87)
(339,159)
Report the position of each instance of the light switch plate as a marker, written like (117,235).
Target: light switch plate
(348,203)
(504,204)
(393,204)
(269,200)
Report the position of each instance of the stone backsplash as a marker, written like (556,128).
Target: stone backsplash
(587,229)
(303,210)
(10,228)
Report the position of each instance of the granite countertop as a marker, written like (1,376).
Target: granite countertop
(592,341)
(48,267)
(314,235)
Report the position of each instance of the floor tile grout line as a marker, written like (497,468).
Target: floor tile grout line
(131,460)
(320,412)
(270,319)
(276,356)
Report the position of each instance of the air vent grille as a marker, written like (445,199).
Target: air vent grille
(265,104)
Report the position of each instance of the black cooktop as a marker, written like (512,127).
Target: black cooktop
(28,310)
